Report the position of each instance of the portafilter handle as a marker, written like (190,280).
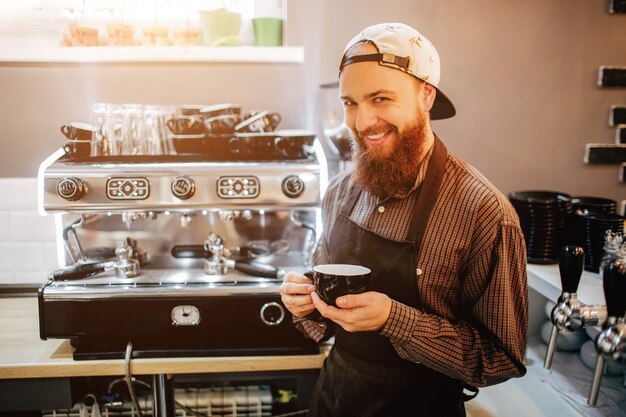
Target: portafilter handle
(257,269)
(80,271)
(571,266)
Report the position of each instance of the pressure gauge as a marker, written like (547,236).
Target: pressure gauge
(185,315)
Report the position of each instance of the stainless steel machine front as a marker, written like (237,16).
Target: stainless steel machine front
(178,254)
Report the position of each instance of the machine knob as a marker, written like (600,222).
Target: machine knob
(293,186)
(71,189)
(183,187)
(272,314)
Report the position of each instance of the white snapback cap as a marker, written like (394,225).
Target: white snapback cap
(403,48)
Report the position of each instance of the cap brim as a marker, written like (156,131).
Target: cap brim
(442,107)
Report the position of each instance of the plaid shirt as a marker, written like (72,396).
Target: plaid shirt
(470,274)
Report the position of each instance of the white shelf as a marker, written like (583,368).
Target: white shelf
(104,54)
(546,280)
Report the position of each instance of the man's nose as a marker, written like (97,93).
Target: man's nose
(365,118)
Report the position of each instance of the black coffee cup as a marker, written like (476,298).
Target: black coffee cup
(186,125)
(260,122)
(220,109)
(335,280)
(78,131)
(191,109)
(224,124)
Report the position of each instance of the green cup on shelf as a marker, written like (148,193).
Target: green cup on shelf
(268,31)
(220,27)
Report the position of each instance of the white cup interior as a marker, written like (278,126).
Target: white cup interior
(341,269)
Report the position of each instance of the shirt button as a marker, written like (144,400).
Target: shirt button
(418,271)
(381,209)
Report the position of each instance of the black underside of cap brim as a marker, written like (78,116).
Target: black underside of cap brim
(442,107)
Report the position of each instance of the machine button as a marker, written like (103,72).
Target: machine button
(238,187)
(71,189)
(272,314)
(183,187)
(127,188)
(293,186)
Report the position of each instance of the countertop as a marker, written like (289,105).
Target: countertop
(24,355)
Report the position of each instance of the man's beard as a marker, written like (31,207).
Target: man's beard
(395,173)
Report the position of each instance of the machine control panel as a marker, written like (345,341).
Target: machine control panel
(128,188)
(238,187)
(183,187)
(293,186)
(272,314)
(71,189)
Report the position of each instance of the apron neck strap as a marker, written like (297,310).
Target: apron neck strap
(427,193)
(354,196)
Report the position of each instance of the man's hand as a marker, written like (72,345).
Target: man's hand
(295,293)
(357,312)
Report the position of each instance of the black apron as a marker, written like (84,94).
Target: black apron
(364,375)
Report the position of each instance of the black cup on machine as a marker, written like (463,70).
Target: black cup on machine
(260,122)
(191,109)
(335,280)
(281,144)
(295,143)
(78,131)
(220,109)
(77,148)
(220,125)
(186,125)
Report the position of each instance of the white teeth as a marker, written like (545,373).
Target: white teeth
(376,137)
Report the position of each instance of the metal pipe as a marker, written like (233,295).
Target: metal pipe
(547,363)
(595,383)
(163,397)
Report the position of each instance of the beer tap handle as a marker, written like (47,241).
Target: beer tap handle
(571,266)
(614,284)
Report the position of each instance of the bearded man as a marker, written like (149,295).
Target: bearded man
(448,299)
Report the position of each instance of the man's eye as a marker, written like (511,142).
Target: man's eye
(348,103)
(380,99)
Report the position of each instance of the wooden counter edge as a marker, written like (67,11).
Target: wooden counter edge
(72,368)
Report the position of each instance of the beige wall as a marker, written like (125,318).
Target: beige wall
(522,75)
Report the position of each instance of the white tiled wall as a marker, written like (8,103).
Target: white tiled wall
(27,239)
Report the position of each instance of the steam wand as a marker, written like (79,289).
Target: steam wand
(569,313)
(611,342)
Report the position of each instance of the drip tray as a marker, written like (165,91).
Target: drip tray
(95,352)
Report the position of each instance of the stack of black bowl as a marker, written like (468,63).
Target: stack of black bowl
(543,217)
(593,205)
(591,219)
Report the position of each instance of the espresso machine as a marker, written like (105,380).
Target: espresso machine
(181,254)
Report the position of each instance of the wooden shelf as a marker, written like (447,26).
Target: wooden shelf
(105,54)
